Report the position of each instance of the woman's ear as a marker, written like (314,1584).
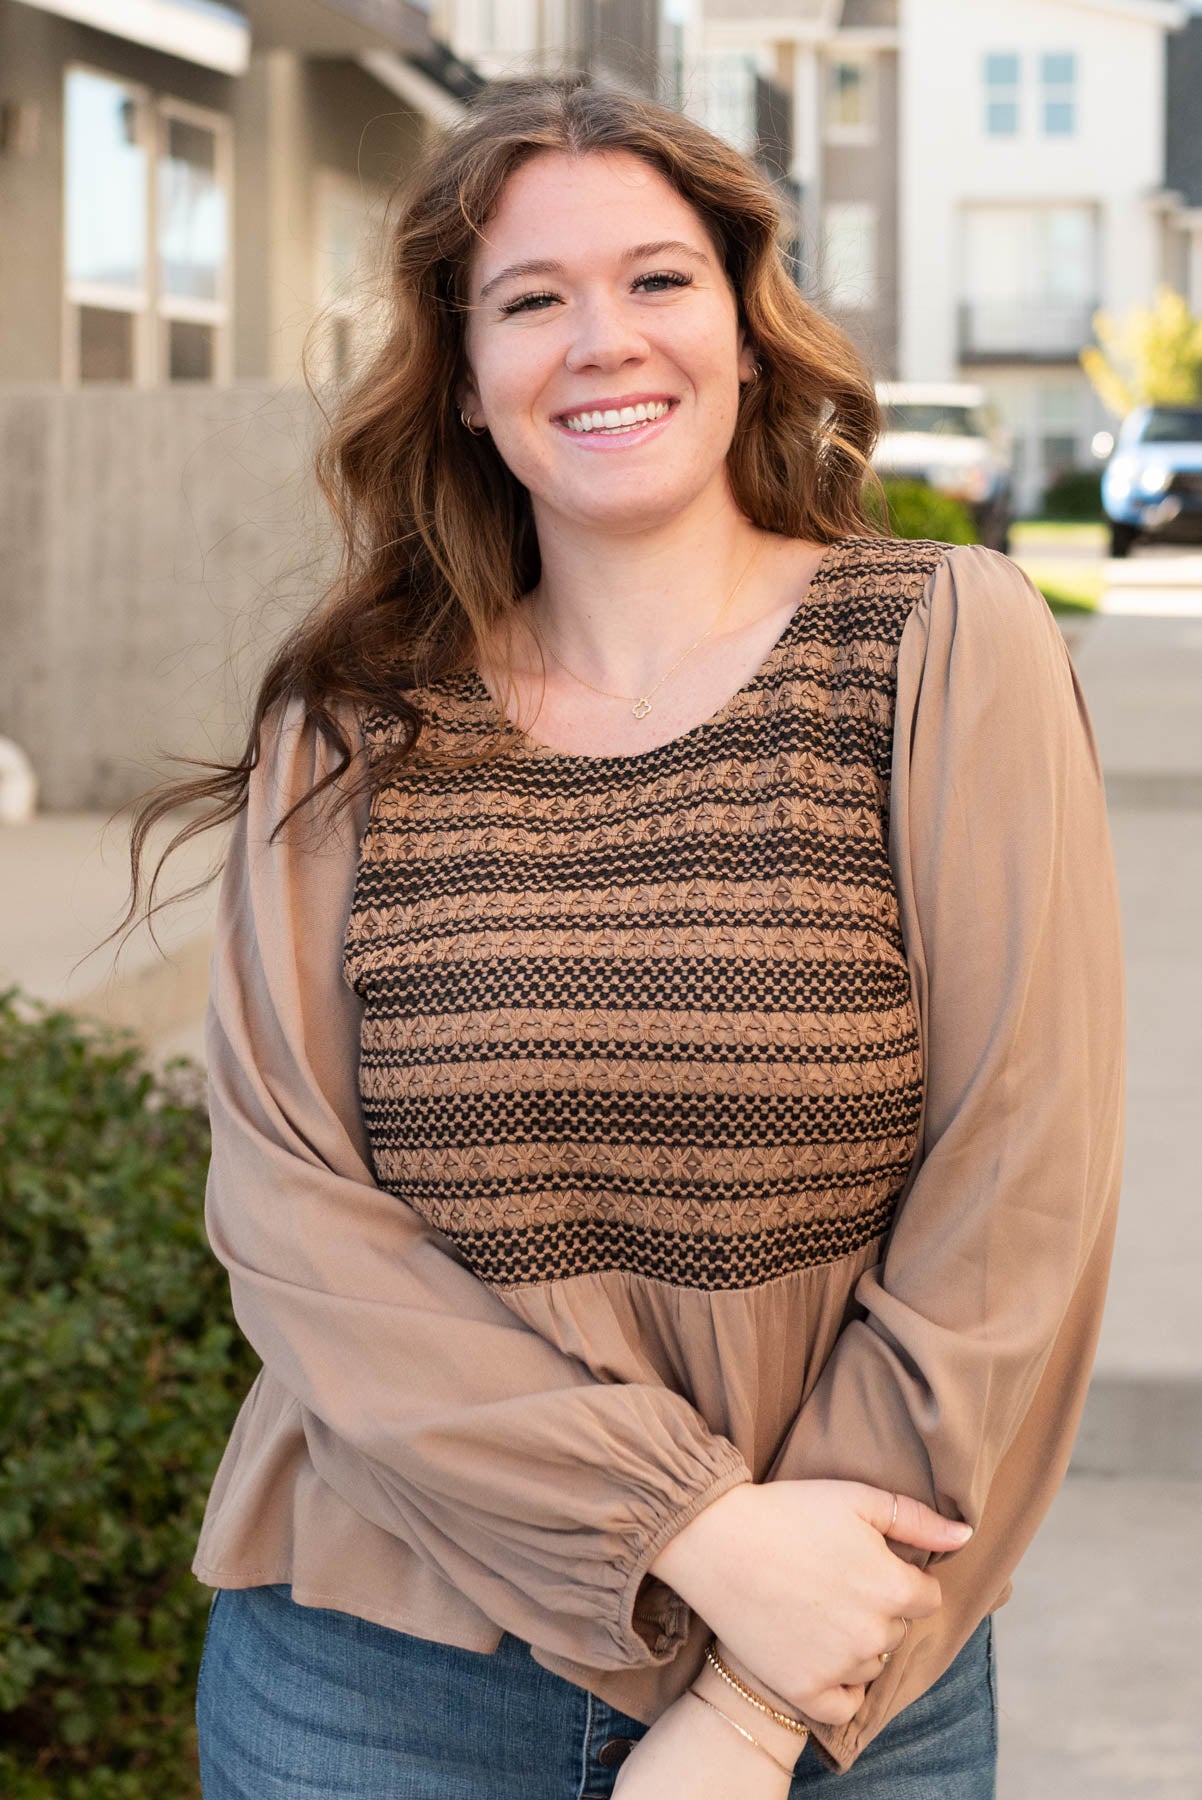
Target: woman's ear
(467,398)
(747,359)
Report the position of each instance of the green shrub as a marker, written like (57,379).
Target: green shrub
(1076,494)
(917,510)
(121,1371)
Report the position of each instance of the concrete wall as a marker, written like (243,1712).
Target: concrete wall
(154,545)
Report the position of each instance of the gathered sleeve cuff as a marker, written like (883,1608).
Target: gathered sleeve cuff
(539,1491)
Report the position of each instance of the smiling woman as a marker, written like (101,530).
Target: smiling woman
(667,1124)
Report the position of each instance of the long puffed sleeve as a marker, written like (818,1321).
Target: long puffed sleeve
(539,1491)
(961,1375)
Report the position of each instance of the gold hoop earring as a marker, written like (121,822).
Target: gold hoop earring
(754,376)
(476,430)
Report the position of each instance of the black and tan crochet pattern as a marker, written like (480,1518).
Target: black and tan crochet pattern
(652,1012)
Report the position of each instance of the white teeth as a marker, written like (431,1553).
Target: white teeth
(617,419)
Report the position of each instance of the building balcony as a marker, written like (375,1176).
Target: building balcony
(1024,331)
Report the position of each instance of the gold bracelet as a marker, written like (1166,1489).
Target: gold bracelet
(741,1687)
(737,1727)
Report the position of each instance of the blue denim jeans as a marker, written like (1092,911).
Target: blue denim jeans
(299,1703)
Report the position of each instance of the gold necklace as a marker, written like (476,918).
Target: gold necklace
(642,702)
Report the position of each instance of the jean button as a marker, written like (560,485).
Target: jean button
(614,1751)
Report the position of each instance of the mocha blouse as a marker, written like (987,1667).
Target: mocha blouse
(591,1134)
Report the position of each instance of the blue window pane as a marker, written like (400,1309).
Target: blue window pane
(1001,70)
(1002,118)
(1059,69)
(1058,118)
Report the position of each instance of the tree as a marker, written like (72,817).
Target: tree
(1152,356)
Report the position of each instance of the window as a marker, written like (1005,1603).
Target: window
(1061,427)
(146,292)
(193,233)
(1029,279)
(849,278)
(1058,79)
(107,221)
(729,102)
(851,100)
(1001,94)
(350,216)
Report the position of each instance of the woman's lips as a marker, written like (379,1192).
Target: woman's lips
(617,440)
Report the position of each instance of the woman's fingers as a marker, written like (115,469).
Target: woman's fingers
(836,1705)
(868,1670)
(920,1597)
(916,1522)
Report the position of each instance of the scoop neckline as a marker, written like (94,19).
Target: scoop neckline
(528,746)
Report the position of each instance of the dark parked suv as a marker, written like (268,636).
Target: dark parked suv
(1152,485)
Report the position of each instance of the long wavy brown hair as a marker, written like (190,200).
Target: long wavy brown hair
(437,536)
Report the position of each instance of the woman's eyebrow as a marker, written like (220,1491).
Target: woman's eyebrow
(635,254)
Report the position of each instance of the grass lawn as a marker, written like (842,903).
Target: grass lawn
(1065,558)
(1082,537)
(1066,586)
(1067,594)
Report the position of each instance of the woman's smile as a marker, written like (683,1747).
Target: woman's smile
(616,427)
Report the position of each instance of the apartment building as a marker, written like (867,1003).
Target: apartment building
(1032,157)
(616,42)
(189,197)
(191,181)
(810,88)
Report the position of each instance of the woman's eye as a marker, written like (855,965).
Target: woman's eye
(532,302)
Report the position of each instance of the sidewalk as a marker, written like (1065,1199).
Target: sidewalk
(1099,1677)
(64,880)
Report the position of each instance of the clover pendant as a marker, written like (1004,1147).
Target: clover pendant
(641,708)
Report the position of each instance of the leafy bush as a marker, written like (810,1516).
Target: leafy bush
(121,1371)
(1076,494)
(917,510)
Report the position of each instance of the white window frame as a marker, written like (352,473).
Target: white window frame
(1002,94)
(78,294)
(151,310)
(362,307)
(216,313)
(835,130)
(855,301)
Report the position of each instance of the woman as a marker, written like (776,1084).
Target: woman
(665,1045)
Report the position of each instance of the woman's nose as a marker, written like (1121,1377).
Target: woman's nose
(605,337)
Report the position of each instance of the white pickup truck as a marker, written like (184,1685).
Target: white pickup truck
(948,435)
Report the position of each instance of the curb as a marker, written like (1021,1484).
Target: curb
(1147,1425)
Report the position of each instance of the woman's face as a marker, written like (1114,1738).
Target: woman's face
(597,290)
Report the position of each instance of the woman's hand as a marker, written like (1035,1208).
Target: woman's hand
(798,1579)
(690,1754)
